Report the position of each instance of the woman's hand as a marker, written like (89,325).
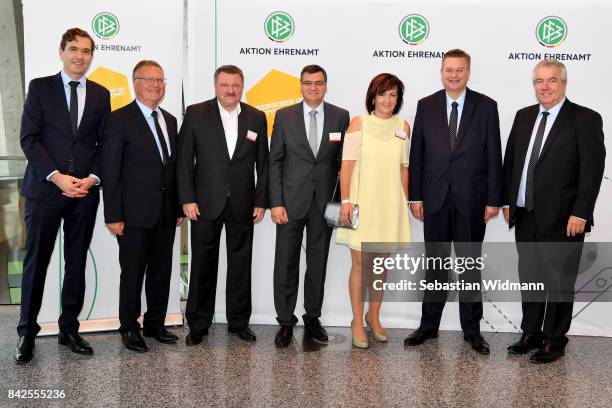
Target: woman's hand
(346,213)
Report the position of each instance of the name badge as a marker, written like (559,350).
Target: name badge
(335,137)
(401,133)
(251,136)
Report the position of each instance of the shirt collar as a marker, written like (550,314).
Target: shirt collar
(227,113)
(146,110)
(459,100)
(554,111)
(66,79)
(307,108)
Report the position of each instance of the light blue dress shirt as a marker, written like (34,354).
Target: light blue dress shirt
(81,94)
(550,120)
(449,107)
(146,111)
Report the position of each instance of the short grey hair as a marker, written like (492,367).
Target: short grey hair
(145,63)
(551,63)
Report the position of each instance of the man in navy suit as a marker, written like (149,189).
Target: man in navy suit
(455,187)
(61,136)
(141,204)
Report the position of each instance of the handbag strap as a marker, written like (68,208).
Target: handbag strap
(360,160)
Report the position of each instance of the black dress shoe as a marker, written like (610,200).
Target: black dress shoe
(160,334)
(419,336)
(478,343)
(527,343)
(313,329)
(194,337)
(547,354)
(244,333)
(25,350)
(76,343)
(132,340)
(283,337)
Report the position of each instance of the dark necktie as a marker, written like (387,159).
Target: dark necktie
(74,108)
(162,140)
(452,125)
(533,161)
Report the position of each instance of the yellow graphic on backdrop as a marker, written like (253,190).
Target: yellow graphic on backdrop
(274,91)
(116,83)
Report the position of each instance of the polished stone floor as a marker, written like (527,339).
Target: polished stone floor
(224,371)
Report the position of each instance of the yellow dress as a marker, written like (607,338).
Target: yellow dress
(378,151)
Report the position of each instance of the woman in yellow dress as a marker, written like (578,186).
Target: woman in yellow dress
(374,175)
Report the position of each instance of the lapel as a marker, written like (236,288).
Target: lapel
(524,136)
(466,114)
(243,122)
(219,135)
(145,130)
(327,112)
(89,96)
(60,95)
(171,133)
(301,127)
(441,119)
(553,134)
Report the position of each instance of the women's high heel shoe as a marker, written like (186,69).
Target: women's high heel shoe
(359,343)
(379,336)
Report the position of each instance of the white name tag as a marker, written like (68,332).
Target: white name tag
(252,136)
(401,133)
(335,136)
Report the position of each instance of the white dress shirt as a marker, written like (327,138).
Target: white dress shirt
(230,127)
(320,116)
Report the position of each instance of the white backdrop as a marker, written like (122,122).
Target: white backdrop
(343,37)
(137,30)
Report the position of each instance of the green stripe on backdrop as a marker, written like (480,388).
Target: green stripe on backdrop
(216,29)
(95,266)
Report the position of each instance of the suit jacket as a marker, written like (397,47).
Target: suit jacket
(295,173)
(137,187)
(569,169)
(46,136)
(472,172)
(214,177)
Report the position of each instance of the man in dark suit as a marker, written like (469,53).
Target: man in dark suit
(455,187)
(141,204)
(61,136)
(553,168)
(304,167)
(221,143)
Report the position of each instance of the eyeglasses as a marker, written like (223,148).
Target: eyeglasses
(318,84)
(151,81)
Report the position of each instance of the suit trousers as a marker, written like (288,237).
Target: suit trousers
(444,229)
(554,261)
(43,219)
(145,251)
(205,240)
(287,265)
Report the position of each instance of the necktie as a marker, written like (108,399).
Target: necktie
(452,125)
(162,140)
(312,131)
(533,160)
(74,108)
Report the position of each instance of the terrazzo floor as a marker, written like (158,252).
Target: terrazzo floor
(224,371)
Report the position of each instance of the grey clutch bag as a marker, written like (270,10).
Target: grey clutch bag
(332,216)
(332,212)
